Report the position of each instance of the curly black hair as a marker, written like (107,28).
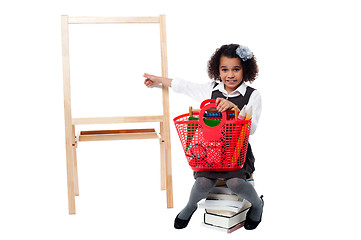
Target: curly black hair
(249,67)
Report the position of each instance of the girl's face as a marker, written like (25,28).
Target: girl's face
(230,70)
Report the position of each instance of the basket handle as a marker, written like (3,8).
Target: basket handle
(207,101)
(211,133)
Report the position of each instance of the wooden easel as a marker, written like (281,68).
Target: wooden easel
(70,123)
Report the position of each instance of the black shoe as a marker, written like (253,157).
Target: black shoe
(181,223)
(249,223)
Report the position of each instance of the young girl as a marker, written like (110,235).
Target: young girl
(231,66)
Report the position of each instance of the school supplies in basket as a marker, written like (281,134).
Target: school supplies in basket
(248,116)
(213,141)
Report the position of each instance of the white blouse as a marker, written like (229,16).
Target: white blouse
(203,91)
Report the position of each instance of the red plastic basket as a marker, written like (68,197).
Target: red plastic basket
(212,147)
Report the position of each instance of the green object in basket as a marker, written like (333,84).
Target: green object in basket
(208,122)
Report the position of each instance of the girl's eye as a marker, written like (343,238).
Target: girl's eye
(237,69)
(224,70)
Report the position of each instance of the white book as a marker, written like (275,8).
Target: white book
(225,220)
(215,196)
(228,205)
(227,230)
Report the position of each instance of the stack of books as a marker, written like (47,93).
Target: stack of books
(223,209)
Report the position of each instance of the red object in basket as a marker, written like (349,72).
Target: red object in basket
(213,148)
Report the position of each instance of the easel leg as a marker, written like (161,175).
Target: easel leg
(169,181)
(69,136)
(167,164)
(162,159)
(70,177)
(166,120)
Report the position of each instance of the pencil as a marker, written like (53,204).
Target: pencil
(237,150)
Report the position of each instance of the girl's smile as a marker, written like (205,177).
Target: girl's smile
(230,70)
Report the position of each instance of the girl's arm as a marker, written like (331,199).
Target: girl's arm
(197,91)
(151,80)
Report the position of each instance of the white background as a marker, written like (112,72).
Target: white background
(306,145)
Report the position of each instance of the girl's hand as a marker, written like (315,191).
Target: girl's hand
(155,80)
(224,105)
(151,80)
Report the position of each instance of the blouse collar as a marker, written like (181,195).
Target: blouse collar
(240,90)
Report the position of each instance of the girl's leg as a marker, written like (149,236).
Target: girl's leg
(200,189)
(245,190)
